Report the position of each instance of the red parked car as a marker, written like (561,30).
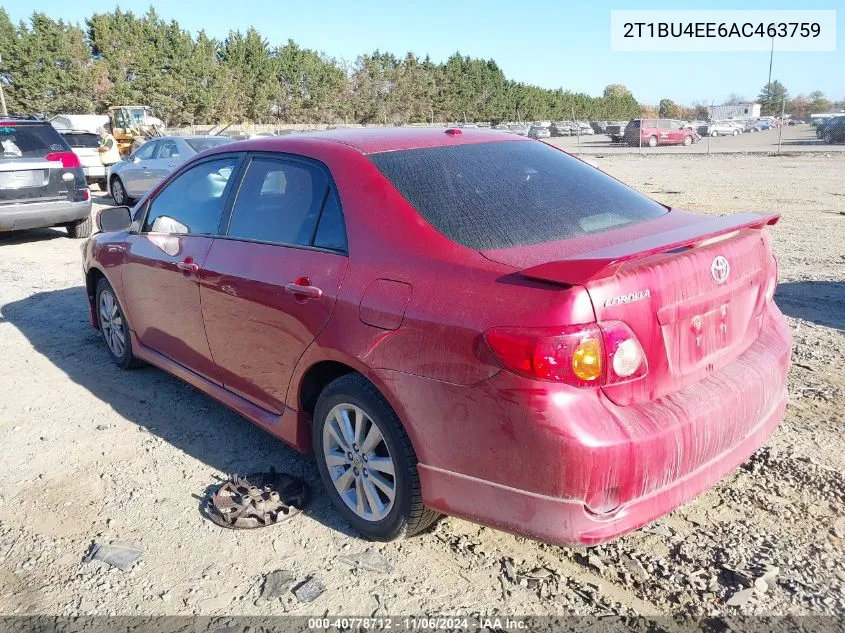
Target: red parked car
(654,132)
(455,321)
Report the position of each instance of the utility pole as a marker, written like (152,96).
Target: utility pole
(782,112)
(2,96)
(769,83)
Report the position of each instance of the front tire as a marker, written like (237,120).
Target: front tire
(80,228)
(687,141)
(366,461)
(113,326)
(652,141)
(736,132)
(118,192)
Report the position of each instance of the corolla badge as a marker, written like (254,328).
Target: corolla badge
(720,269)
(634,296)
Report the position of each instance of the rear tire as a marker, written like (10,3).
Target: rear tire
(118,192)
(80,228)
(344,404)
(114,327)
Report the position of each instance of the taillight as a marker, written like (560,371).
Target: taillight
(626,358)
(589,355)
(68,160)
(772,284)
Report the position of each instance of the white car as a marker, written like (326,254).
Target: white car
(538,131)
(84,145)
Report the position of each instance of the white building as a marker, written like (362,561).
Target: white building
(734,111)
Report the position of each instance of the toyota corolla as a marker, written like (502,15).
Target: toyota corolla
(455,321)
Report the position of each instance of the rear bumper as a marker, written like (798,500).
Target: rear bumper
(568,522)
(533,458)
(33,215)
(96,172)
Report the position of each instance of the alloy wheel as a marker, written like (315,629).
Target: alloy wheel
(112,324)
(118,193)
(359,462)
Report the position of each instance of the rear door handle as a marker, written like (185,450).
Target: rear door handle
(302,287)
(190,267)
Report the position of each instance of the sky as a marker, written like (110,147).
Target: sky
(544,43)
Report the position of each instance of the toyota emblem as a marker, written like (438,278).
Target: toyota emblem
(720,269)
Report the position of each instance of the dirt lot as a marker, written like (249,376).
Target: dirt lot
(91,453)
(795,139)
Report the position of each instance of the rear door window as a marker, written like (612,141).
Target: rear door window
(279,201)
(513,193)
(193,202)
(331,230)
(82,140)
(167,149)
(29,140)
(145,152)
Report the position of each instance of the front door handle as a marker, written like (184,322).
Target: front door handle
(302,288)
(188,266)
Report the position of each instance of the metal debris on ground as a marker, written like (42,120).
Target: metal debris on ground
(116,554)
(276,584)
(256,500)
(309,591)
(369,560)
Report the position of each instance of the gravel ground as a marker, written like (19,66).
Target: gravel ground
(795,139)
(89,453)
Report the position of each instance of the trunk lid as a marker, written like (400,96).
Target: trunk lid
(31,180)
(692,289)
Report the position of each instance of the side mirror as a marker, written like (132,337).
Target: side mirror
(135,159)
(114,219)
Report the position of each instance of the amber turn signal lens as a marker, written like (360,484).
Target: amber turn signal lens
(586,361)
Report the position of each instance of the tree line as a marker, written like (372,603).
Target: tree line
(49,66)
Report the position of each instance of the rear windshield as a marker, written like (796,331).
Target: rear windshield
(202,144)
(499,195)
(82,140)
(28,140)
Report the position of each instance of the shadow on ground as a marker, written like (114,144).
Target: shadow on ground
(821,302)
(805,141)
(56,325)
(10,238)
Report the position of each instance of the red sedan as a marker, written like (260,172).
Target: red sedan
(455,321)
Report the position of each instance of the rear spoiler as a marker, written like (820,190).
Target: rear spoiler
(605,262)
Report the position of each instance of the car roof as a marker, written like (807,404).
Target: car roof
(377,140)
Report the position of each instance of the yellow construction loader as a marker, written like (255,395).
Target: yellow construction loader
(133,125)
